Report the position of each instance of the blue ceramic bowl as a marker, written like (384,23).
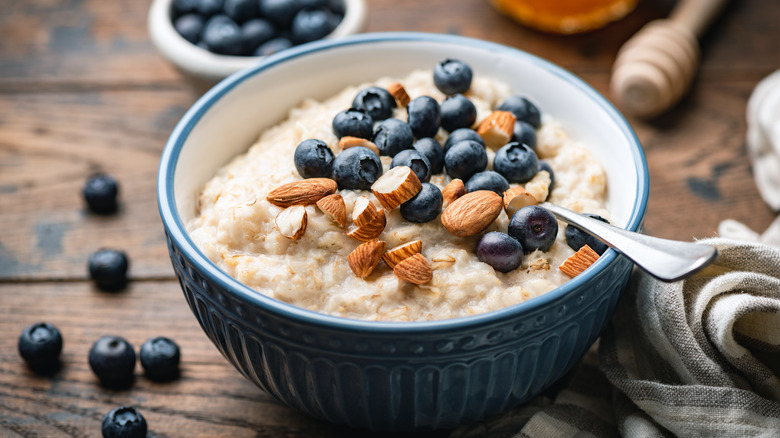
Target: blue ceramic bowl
(394,376)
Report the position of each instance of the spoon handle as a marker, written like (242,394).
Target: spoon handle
(666,260)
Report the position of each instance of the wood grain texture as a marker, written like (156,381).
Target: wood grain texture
(82,90)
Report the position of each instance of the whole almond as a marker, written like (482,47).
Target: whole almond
(472,212)
(452,191)
(291,222)
(579,261)
(333,206)
(414,269)
(303,192)
(396,186)
(395,255)
(363,259)
(517,198)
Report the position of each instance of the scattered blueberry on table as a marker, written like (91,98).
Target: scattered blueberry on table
(112,359)
(40,345)
(100,193)
(254,27)
(160,358)
(124,422)
(108,269)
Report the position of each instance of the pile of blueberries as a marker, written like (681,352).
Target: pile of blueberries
(462,156)
(254,27)
(113,360)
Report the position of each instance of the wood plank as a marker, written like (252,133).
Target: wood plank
(209,399)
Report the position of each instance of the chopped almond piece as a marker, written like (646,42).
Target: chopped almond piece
(452,191)
(399,93)
(347,142)
(517,198)
(414,269)
(396,186)
(333,206)
(497,128)
(291,222)
(395,255)
(579,261)
(366,257)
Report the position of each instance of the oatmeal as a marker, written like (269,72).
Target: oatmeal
(236,225)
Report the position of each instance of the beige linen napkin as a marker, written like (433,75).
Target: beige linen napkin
(695,358)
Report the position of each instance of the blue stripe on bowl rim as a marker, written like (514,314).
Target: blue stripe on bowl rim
(177,231)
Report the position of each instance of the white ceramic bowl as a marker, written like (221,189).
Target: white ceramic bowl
(382,375)
(209,68)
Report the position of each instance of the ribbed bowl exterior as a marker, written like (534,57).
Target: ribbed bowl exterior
(437,379)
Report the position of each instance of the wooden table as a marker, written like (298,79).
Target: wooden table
(83,90)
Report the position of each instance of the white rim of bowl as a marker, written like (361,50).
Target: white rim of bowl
(194,60)
(177,231)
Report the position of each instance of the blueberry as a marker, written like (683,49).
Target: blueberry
(222,35)
(524,133)
(424,116)
(424,206)
(189,26)
(160,358)
(314,159)
(461,134)
(457,112)
(414,160)
(544,165)
(516,162)
(207,8)
(534,227)
(576,238)
(108,269)
(313,3)
(112,359)
(241,10)
(40,346)
(353,123)
(311,24)
(280,12)
(337,6)
(523,109)
(392,136)
(274,45)
(499,250)
(100,193)
(376,102)
(432,150)
(464,159)
(181,7)
(356,168)
(452,76)
(487,180)
(124,422)
(255,32)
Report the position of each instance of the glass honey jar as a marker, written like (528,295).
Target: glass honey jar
(565,16)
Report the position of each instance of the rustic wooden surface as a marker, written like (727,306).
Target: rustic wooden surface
(83,90)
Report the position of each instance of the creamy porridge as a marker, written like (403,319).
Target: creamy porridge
(235,225)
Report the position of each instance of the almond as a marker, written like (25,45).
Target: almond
(396,186)
(452,191)
(579,261)
(370,230)
(517,198)
(472,212)
(395,255)
(333,206)
(364,211)
(347,142)
(366,257)
(303,192)
(291,222)
(414,269)
(399,93)
(497,128)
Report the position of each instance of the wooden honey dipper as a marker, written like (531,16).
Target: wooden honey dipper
(655,68)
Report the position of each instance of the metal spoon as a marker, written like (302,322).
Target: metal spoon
(666,260)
